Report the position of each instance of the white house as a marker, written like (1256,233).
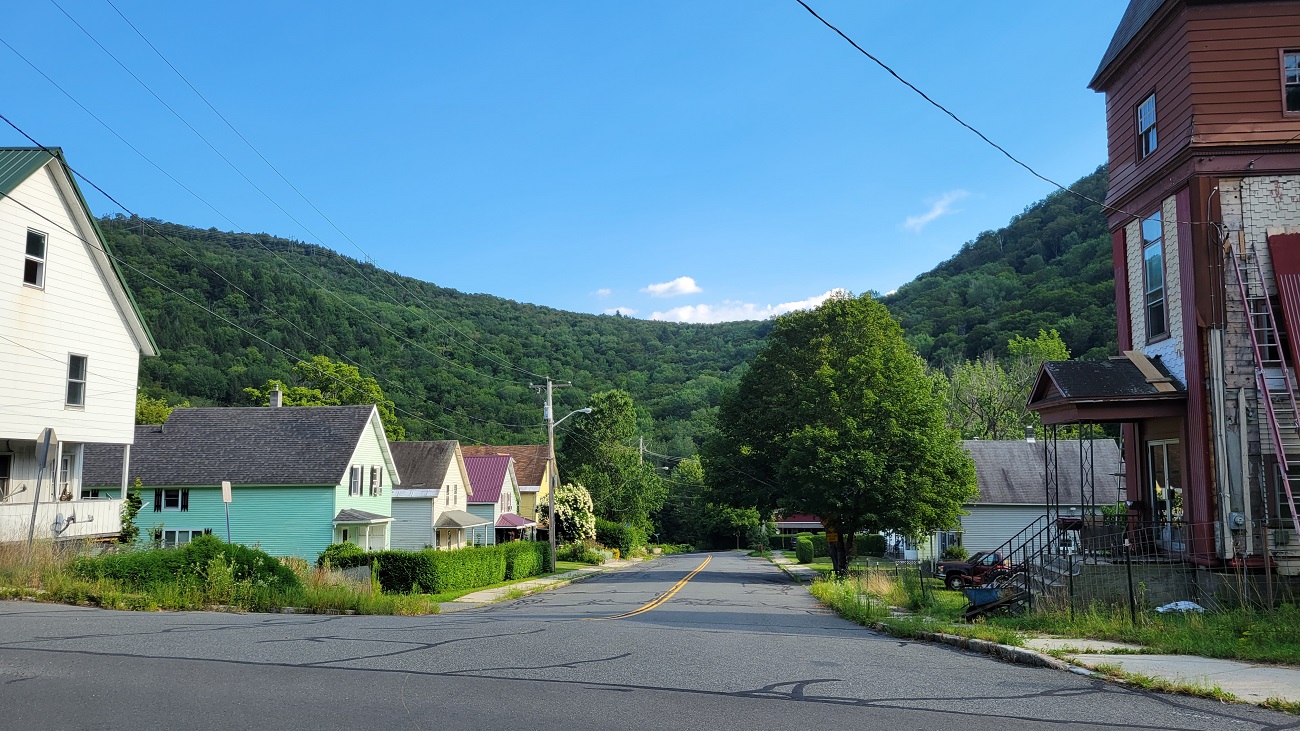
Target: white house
(429,510)
(71,339)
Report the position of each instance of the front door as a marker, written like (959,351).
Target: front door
(1164,460)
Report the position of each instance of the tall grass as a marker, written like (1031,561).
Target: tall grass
(50,573)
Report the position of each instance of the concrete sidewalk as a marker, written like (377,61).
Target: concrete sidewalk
(532,586)
(795,569)
(1248,682)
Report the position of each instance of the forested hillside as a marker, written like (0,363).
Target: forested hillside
(1049,268)
(455,359)
(462,363)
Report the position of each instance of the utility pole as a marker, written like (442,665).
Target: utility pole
(549,414)
(640,458)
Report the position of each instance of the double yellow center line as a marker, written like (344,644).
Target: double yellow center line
(662,597)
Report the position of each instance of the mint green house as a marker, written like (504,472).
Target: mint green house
(301,477)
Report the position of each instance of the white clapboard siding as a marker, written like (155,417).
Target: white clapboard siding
(74,313)
(989,526)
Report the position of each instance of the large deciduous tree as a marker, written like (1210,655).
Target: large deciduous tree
(987,397)
(838,417)
(324,382)
(596,453)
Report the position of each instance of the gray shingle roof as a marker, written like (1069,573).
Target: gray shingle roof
(423,464)
(1012,472)
(1135,17)
(1082,379)
(351,515)
(292,445)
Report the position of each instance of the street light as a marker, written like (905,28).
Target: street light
(550,435)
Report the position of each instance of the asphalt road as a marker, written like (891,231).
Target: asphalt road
(737,647)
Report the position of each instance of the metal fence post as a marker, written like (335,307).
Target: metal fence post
(1128,565)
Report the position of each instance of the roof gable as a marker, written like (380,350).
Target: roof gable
(1136,17)
(17,164)
(530,460)
(291,445)
(423,464)
(488,475)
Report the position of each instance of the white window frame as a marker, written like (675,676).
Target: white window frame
(82,382)
(40,260)
(166,494)
(354,481)
(1159,296)
(180,536)
(1148,139)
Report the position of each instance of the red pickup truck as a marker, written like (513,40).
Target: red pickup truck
(972,572)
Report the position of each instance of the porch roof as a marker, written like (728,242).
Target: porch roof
(350,516)
(510,520)
(459,519)
(1128,388)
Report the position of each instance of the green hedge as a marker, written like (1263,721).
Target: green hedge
(869,544)
(616,535)
(435,572)
(141,568)
(803,549)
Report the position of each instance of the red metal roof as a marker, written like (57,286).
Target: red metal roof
(510,520)
(487,475)
(798,518)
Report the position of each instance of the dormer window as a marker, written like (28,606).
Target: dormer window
(34,264)
(1146,118)
(1291,81)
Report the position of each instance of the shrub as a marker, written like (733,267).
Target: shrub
(580,553)
(869,544)
(954,553)
(574,516)
(616,535)
(191,562)
(338,554)
(803,549)
(526,558)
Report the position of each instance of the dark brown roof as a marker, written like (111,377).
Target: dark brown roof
(1090,379)
(291,445)
(1136,16)
(1013,472)
(530,460)
(1115,390)
(423,465)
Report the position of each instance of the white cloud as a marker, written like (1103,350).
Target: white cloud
(603,292)
(731,310)
(941,207)
(624,311)
(675,288)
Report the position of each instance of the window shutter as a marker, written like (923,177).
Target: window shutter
(185,500)
(157,500)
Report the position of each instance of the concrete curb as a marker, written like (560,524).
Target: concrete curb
(1009,653)
(579,575)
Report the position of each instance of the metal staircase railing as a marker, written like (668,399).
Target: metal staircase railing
(1277,391)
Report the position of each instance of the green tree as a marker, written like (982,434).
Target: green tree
(595,452)
(987,397)
(836,416)
(153,410)
(324,382)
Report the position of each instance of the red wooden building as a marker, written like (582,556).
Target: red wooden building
(1203,123)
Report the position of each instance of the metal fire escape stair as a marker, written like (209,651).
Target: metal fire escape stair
(1273,375)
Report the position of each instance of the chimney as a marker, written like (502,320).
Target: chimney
(1029,435)
(277,398)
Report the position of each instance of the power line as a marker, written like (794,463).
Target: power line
(497,359)
(1105,207)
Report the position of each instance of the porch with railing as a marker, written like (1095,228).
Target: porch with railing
(61,520)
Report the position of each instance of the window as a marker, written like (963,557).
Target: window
(76,380)
(1147,126)
(34,264)
(6,463)
(170,500)
(1291,81)
(376,480)
(65,477)
(87,494)
(1153,277)
(174,538)
(354,481)
(446,491)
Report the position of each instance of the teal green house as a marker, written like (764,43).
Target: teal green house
(301,477)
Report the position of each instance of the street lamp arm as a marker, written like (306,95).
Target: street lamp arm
(571,413)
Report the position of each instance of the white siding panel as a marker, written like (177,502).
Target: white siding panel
(989,526)
(74,313)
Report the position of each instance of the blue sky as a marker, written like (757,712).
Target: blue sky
(695,160)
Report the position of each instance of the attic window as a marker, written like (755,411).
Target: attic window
(1146,115)
(34,264)
(1291,81)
